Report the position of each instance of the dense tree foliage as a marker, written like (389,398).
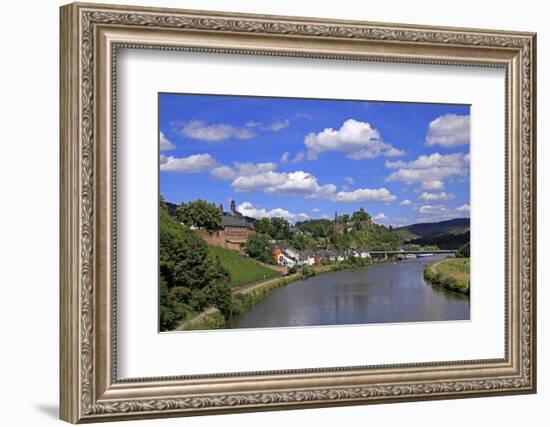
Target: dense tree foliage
(190,278)
(464,251)
(264,226)
(200,214)
(444,240)
(360,219)
(350,231)
(260,247)
(317,228)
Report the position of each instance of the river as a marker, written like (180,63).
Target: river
(380,293)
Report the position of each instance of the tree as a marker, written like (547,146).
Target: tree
(281,228)
(359,218)
(264,226)
(464,251)
(182,254)
(259,246)
(343,219)
(317,227)
(218,289)
(201,214)
(190,279)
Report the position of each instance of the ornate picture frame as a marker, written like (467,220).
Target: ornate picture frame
(90,37)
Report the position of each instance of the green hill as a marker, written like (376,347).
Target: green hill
(375,237)
(451,234)
(453,226)
(242,269)
(445,240)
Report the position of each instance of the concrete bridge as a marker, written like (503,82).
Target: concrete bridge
(385,254)
(404,252)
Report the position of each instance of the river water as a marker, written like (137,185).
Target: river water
(381,293)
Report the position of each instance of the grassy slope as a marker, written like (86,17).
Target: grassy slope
(458,268)
(452,273)
(243,270)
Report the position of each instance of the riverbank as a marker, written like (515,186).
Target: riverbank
(243,298)
(246,296)
(452,274)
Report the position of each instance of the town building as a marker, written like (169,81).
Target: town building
(282,257)
(234,232)
(235,227)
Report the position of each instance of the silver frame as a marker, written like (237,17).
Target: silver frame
(90,37)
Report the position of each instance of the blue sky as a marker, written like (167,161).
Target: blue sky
(309,158)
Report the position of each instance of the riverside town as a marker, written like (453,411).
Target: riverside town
(278,212)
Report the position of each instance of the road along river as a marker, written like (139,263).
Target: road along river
(381,293)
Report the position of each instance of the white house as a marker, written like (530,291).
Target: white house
(292,253)
(309,260)
(364,254)
(284,259)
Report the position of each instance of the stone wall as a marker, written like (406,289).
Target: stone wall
(218,239)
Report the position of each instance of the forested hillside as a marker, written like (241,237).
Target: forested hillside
(451,234)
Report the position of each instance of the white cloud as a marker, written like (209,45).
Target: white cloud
(349,180)
(293,183)
(432,185)
(223,172)
(434,210)
(433,160)
(449,130)
(394,152)
(263,177)
(405,202)
(380,217)
(436,196)
(192,164)
(357,139)
(252,124)
(434,167)
(277,126)
(248,209)
(165,143)
(316,210)
(300,155)
(284,158)
(302,116)
(463,209)
(365,195)
(200,130)
(254,168)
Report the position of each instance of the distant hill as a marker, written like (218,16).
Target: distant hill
(424,229)
(451,234)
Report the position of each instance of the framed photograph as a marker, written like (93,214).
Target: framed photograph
(267,212)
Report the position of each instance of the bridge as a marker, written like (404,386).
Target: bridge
(425,252)
(385,254)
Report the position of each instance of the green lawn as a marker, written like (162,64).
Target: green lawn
(459,268)
(243,270)
(452,273)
